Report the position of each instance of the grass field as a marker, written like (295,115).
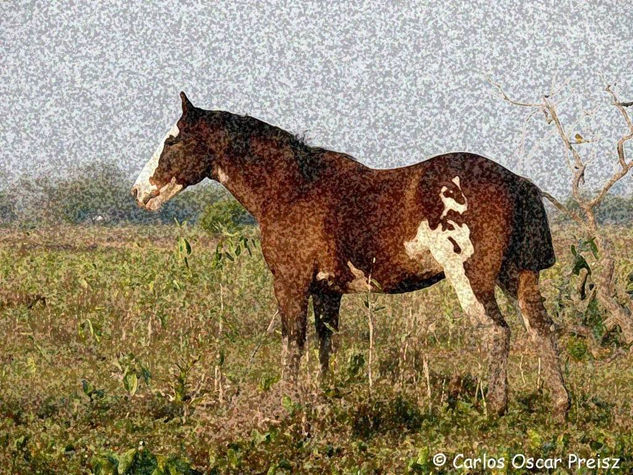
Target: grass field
(117,353)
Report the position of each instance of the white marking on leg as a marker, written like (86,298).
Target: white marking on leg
(420,252)
(517,308)
(441,244)
(142,185)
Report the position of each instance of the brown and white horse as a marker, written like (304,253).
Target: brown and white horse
(328,222)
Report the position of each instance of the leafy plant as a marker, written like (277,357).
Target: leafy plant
(91,391)
(230,247)
(184,250)
(140,461)
(131,371)
(579,260)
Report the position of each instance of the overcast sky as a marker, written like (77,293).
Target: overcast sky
(84,81)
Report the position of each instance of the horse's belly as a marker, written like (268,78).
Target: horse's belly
(391,274)
(410,275)
(414,283)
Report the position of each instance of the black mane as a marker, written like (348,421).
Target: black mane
(242,128)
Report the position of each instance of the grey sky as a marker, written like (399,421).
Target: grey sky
(84,81)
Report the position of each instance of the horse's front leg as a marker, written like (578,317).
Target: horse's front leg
(292,298)
(326,312)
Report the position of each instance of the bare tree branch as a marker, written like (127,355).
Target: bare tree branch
(607,186)
(627,119)
(552,131)
(521,148)
(511,101)
(549,109)
(579,165)
(625,166)
(561,207)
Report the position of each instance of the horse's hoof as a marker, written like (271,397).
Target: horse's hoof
(496,407)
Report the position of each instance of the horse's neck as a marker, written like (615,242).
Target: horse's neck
(256,184)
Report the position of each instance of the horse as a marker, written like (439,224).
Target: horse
(332,226)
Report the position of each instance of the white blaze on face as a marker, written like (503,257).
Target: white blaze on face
(142,185)
(444,246)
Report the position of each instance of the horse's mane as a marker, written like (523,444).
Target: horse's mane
(243,128)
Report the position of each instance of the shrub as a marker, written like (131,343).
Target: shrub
(225,215)
(7,209)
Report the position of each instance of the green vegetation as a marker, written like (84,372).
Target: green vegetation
(225,215)
(96,193)
(143,349)
(614,209)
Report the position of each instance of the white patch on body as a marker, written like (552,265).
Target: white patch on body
(222,176)
(142,185)
(438,242)
(450,204)
(323,275)
(360,282)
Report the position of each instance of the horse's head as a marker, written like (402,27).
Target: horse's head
(182,160)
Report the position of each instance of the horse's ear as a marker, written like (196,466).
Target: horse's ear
(186,103)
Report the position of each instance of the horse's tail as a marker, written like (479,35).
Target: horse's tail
(531,241)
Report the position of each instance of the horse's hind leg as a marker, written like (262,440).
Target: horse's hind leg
(497,343)
(326,312)
(480,305)
(541,329)
(524,286)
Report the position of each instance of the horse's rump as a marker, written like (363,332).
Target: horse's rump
(531,241)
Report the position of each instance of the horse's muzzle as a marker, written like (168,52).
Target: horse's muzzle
(143,197)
